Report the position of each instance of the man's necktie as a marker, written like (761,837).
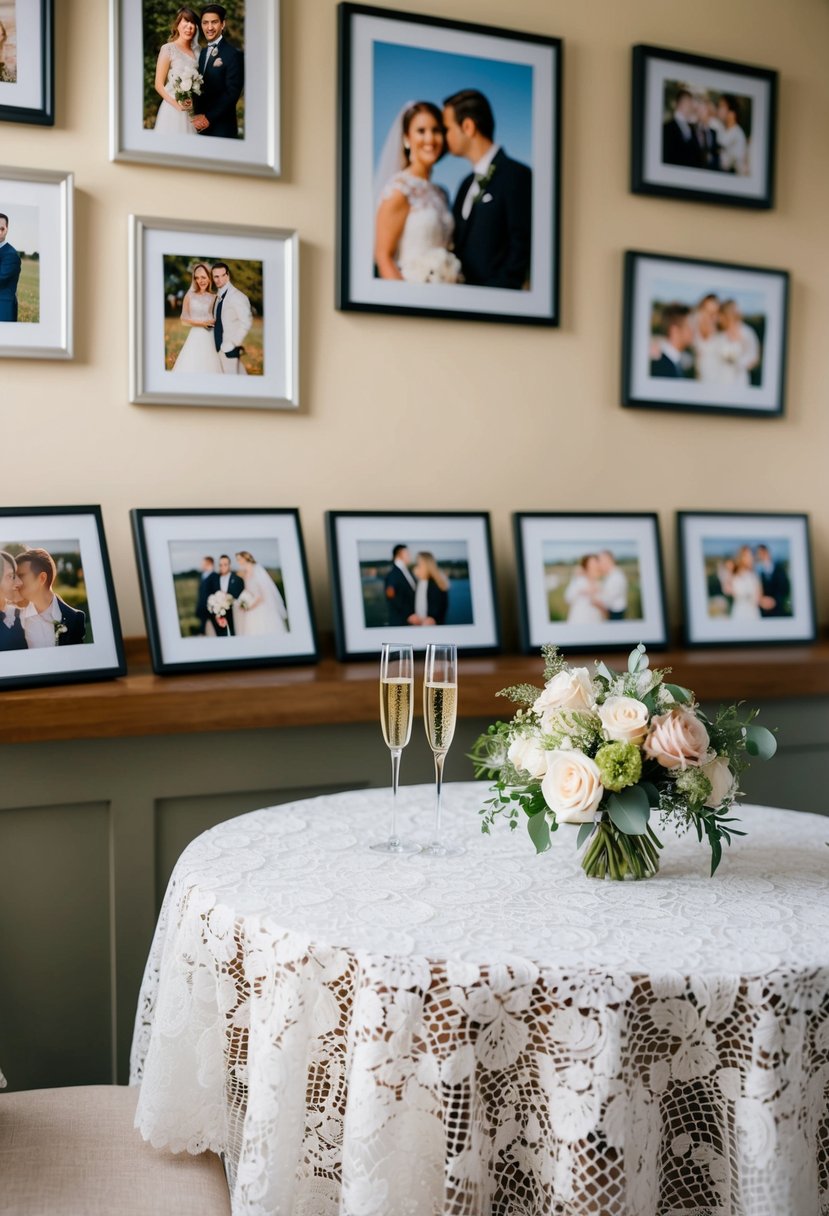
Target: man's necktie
(218,328)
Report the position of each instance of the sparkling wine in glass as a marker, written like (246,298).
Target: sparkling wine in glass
(396,707)
(440,710)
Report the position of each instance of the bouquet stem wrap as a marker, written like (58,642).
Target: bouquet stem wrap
(610,853)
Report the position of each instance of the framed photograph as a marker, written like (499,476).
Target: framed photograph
(36,288)
(414,577)
(27,61)
(590,580)
(214,314)
(703,129)
(449,158)
(746,578)
(196,88)
(704,336)
(58,616)
(224,589)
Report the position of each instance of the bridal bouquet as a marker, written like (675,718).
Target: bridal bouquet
(436,265)
(218,605)
(187,84)
(606,750)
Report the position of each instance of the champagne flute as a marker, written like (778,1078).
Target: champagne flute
(440,708)
(396,708)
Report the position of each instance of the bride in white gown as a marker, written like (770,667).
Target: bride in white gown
(177,59)
(199,352)
(746,588)
(266,613)
(414,225)
(582,593)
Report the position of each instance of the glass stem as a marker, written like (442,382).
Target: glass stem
(439,759)
(396,753)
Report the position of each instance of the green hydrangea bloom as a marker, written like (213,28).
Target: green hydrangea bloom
(620,765)
(694,784)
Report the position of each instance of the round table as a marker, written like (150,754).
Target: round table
(405,1036)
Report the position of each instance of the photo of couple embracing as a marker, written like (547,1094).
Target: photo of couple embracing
(479,235)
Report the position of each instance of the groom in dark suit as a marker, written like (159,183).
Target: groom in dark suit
(9,273)
(223,69)
(49,620)
(493,207)
(226,580)
(400,589)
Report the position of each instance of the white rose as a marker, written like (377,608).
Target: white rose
(625,720)
(572,786)
(568,690)
(527,753)
(722,781)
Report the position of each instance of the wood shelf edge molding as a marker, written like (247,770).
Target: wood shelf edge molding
(332,693)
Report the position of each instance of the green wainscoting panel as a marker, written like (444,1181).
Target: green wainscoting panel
(56,1025)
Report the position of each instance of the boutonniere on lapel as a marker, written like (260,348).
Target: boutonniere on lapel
(483,181)
(60,629)
(213,52)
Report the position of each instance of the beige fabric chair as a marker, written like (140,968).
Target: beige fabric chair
(75,1152)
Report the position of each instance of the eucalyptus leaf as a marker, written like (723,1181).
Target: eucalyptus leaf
(629,811)
(604,672)
(679,693)
(585,830)
(760,742)
(539,831)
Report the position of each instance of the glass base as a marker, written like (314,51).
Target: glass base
(435,849)
(400,848)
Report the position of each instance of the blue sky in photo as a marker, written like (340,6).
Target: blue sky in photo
(403,74)
(559,551)
(442,550)
(669,290)
(186,555)
(729,546)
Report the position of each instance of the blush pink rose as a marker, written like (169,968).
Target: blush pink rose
(678,739)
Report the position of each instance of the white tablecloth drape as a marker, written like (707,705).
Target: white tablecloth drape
(375,1036)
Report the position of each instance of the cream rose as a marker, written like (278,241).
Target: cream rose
(527,754)
(572,786)
(722,781)
(567,690)
(677,739)
(625,720)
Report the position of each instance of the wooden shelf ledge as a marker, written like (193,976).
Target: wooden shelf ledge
(332,693)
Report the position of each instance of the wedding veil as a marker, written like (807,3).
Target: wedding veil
(391,159)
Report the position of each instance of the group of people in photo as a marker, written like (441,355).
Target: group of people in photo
(218,316)
(749,585)
(597,591)
(710,342)
(483,237)
(208,78)
(240,602)
(702,133)
(32,616)
(417,593)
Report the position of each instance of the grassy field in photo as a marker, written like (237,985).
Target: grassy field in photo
(28,291)
(254,359)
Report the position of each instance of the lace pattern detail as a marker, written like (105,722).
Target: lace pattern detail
(491,1034)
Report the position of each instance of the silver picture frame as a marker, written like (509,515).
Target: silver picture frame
(257,153)
(39,204)
(159,249)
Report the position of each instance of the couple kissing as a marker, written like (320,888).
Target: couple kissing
(484,239)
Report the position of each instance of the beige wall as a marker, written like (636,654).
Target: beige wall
(527,418)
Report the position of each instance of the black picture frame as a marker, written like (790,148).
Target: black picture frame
(531,116)
(86,644)
(551,545)
(706,377)
(360,548)
(166,540)
(40,36)
(703,159)
(707,540)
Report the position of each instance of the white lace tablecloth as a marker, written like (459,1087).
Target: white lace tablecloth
(492,1034)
